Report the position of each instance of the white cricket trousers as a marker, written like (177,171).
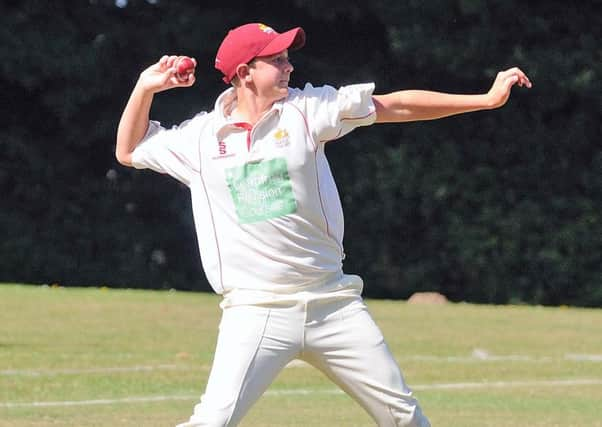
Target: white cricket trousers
(337,336)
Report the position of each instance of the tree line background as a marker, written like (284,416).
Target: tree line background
(502,206)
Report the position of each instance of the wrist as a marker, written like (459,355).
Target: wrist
(144,88)
(488,101)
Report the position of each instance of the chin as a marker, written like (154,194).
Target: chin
(282,93)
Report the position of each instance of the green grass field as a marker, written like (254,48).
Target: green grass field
(101,357)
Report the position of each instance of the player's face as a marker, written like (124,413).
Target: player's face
(271,75)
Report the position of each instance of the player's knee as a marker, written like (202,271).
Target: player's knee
(403,415)
(414,419)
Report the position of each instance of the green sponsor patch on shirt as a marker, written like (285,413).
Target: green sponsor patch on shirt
(261,190)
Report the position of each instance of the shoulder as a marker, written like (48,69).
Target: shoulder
(310,91)
(201,117)
(196,123)
(311,99)
(327,92)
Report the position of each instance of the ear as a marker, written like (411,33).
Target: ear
(243,73)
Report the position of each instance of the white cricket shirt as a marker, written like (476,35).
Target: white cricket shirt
(266,208)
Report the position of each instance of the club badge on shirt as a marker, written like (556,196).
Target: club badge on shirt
(281,138)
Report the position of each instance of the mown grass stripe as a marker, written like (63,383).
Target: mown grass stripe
(302,392)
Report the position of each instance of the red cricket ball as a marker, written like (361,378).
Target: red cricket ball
(184,67)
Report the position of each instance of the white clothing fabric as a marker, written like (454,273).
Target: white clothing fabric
(269,224)
(263,196)
(336,335)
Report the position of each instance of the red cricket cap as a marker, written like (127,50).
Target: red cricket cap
(244,43)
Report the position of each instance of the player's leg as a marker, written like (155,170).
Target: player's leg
(350,349)
(253,346)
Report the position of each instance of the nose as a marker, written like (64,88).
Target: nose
(288,67)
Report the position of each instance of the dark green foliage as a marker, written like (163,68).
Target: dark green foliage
(500,206)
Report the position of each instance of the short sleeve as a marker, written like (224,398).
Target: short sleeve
(332,113)
(174,151)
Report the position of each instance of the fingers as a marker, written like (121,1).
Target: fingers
(184,76)
(516,76)
(162,75)
(500,90)
(166,62)
(167,66)
(183,83)
(190,81)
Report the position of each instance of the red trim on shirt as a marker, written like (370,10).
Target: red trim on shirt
(357,118)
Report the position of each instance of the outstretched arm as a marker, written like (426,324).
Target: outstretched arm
(134,120)
(414,105)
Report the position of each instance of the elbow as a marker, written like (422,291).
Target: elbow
(124,159)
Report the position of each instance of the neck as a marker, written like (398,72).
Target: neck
(250,107)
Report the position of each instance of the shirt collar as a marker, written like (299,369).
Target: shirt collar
(225,103)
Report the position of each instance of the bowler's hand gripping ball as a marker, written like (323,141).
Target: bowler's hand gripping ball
(184,68)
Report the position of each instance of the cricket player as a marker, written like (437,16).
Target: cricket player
(269,220)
